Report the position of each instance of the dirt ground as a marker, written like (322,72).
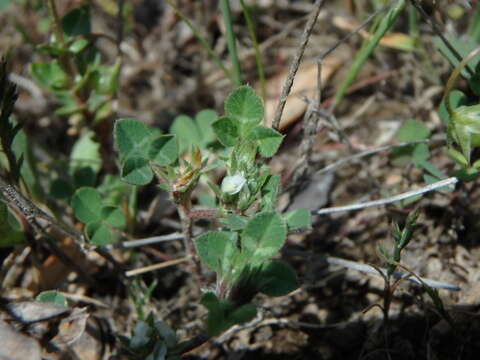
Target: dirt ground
(166,72)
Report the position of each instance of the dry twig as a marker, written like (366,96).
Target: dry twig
(296,63)
(403,196)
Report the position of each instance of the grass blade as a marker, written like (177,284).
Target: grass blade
(385,24)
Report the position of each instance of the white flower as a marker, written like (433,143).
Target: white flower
(232,185)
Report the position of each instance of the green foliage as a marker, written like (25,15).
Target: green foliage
(259,238)
(52,296)
(457,98)
(227,130)
(76,22)
(244,113)
(5,3)
(85,159)
(151,340)
(417,154)
(196,132)
(8,129)
(463,46)
(401,238)
(49,75)
(461,132)
(263,236)
(100,219)
(222,314)
(217,249)
(139,147)
(240,131)
(241,254)
(268,140)
(9,235)
(385,23)
(298,219)
(245,106)
(163,150)
(235,222)
(466,123)
(84,165)
(73,72)
(231,42)
(461,117)
(270,192)
(474,26)
(277,278)
(411,131)
(132,138)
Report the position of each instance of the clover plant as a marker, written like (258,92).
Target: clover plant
(459,111)
(73,70)
(100,218)
(461,117)
(194,132)
(252,231)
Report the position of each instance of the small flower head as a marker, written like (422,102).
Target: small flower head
(232,185)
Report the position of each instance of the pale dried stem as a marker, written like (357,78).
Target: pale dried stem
(403,196)
(287,87)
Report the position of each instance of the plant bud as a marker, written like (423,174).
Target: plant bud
(469,117)
(232,185)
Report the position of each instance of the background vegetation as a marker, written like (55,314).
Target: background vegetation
(173,178)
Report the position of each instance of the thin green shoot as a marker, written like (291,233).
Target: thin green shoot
(385,24)
(258,55)
(413,22)
(474,27)
(231,44)
(53,13)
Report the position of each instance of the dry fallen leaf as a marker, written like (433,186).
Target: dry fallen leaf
(53,271)
(397,41)
(71,328)
(28,312)
(305,84)
(16,346)
(42,320)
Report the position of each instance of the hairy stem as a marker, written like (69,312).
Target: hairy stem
(187,232)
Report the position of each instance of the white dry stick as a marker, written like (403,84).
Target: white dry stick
(436,185)
(154,267)
(151,240)
(397,275)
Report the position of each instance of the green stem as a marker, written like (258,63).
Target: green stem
(232,46)
(258,55)
(387,300)
(202,40)
(57,27)
(413,22)
(64,60)
(385,24)
(453,78)
(474,27)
